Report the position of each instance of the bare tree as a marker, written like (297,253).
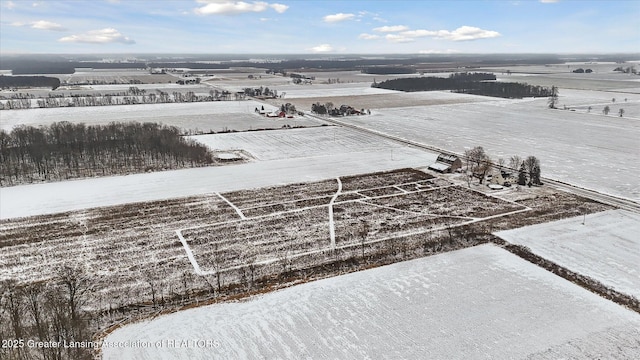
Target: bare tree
(363,232)
(514,162)
(75,286)
(606,110)
(478,162)
(621,112)
(553,99)
(532,165)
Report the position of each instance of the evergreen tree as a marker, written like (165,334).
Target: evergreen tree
(522,175)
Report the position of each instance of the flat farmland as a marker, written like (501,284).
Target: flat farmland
(604,246)
(375,100)
(480,302)
(607,80)
(138,247)
(204,116)
(321,90)
(585,149)
(119,76)
(50,198)
(126,248)
(301,143)
(289,221)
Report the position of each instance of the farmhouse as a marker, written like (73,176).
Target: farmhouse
(446,163)
(503,178)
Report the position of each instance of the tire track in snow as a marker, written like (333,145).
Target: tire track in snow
(192,258)
(332,228)
(233,206)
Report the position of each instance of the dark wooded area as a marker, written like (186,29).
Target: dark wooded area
(63,151)
(468,83)
(28,81)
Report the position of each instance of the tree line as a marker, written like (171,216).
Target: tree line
(64,150)
(468,83)
(7,82)
(133,96)
(479,164)
(46,312)
(387,70)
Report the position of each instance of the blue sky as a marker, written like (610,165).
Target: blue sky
(322,26)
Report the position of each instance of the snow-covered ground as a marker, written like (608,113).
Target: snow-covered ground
(322,90)
(586,149)
(480,302)
(205,116)
(297,143)
(604,246)
(50,198)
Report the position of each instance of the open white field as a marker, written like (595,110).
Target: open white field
(595,81)
(301,143)
(204,116)
(322,90)
(481,303)
(585,149)
(606,247)
(49,198)
(392,99)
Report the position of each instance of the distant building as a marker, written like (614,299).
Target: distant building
(502,177)
(446,163)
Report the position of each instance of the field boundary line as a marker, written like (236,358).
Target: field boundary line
(332,228)
(192,258)
(356,191)
(233,206)
(418,213)
(258,217)
(401,189)
(346,246)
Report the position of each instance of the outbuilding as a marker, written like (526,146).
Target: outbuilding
(446,163)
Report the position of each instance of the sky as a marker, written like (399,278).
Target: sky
(320,27)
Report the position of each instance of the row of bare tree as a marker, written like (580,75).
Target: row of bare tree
(479,164)
(46,320)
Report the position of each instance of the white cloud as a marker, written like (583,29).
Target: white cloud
(214,7)
(465,33)
(41,25)
(398,38)
(47,25)
(368,36)
(338,17)
(102,36)
(322,48)
(279,8)
(549,1)
(9,5)
(447,51)
(421,33)
(394,28)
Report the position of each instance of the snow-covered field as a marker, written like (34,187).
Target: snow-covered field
(204,116)
(586,149)
(480,302)
(321,90)
(300,143)
(606,247)
(50,198)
